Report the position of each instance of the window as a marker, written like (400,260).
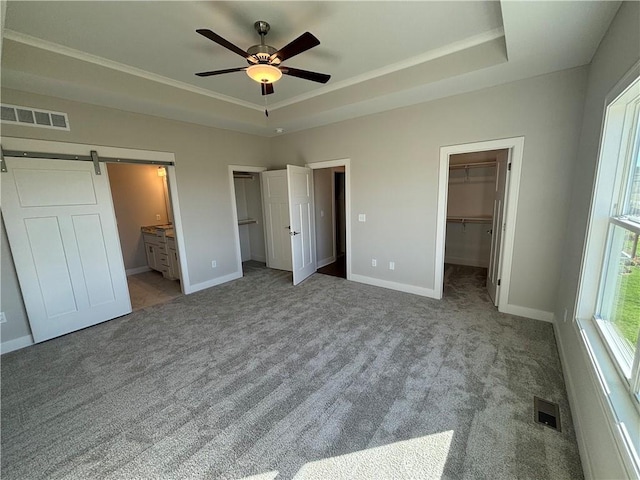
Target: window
(617,311)
(607,315)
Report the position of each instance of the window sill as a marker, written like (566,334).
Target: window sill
(623,412)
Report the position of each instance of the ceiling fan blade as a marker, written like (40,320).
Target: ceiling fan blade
(221,41)
(301,44)
(267,88)
(305,74)
(220,72)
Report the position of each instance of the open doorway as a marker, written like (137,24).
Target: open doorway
(279,231)
(477,202)
(247,209)
(144,216)
(331,235)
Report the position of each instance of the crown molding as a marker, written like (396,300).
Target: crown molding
(103,62)
(394,67)
(407,63)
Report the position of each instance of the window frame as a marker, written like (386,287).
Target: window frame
(625,360)
(616,391)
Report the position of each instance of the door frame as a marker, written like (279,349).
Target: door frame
(234,208)
(62,148)
(515,145)
(346,163)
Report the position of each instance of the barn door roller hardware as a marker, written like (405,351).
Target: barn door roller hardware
(96,162)
(3,164)
(93,157)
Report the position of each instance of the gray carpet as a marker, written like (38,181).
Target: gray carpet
(329,379)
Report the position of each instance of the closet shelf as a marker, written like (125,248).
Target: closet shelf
(458,219)
(247,221)
(472,165)
(244,175)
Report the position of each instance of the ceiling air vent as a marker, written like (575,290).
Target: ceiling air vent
(34,117)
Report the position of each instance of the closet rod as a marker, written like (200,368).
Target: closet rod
(472,165)
(469,219)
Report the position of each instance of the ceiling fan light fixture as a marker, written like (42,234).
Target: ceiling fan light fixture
(263,73)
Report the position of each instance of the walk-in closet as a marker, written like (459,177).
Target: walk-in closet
(249,209)
(475,205)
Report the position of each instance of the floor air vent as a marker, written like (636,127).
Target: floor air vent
(546,413)
(34,117)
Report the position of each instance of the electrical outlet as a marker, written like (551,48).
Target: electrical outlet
(374,262)
(3,318)
(322,213)
(392,265)
(362,217)
(158,216)
(214,264)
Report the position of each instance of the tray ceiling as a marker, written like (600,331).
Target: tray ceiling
(142,56)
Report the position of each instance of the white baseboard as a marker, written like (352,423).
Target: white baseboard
(325,261)
(469,262)
(401,287)
(528,312)
(135,271)
(211,283)
(16,344)
(259,258)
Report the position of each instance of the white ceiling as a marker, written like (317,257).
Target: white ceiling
(142,56)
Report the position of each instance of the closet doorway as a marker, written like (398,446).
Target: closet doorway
(331,234)
(248,214)
(271,221)
(474,215)
(478,191)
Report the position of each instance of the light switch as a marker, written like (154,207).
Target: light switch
(362,217)
(322,213)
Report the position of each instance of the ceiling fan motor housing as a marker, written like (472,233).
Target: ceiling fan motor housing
(262,53)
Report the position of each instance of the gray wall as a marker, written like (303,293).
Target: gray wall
(17,324)
(618,51)
(395,160)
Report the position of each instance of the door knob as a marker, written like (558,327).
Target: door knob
(490,232)
(294,233)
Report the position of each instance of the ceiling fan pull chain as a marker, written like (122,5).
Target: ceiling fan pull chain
(266,112)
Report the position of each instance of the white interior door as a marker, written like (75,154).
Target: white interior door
(276,212)
(302,222)
(493,274)
(64,240)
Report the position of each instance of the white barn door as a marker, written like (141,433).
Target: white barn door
(302,222)
(61,227)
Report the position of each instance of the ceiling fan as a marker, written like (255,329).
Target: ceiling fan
(265,61)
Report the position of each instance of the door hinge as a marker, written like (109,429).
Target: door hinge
(509,167)
(499,282)
(3,164)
